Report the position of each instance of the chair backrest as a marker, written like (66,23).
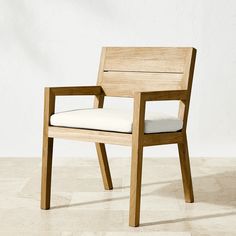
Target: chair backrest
(124,70)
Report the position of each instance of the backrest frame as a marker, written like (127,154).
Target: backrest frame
(125,70)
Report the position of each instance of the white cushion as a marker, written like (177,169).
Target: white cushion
(114,120)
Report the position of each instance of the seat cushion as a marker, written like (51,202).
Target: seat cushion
(117,120)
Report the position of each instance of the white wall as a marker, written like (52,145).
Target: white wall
(57,42)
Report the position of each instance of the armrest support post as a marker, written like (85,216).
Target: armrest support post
(140,99)
(138,117)
(49,107)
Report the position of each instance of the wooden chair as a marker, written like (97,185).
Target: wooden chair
(145,74)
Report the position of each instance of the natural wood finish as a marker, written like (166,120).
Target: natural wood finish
(99,100)
(128,70)
(164,95)
(185,170)
(104,166)
(72,91)
(125,84)
(86,135)
(162,138)
(146,74)
(137,159)
(187,84)
(49,104)
(146,59)
(100,147)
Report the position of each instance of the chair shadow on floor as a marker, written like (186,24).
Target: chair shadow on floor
(216,189)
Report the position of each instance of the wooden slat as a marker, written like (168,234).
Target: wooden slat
(165,95)
(162,138)
(76,90)
(147,59)
(90,135)
(127,83)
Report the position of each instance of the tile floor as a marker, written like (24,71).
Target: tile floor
(80,206)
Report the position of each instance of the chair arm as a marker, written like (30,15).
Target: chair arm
(70,91)
(140,99)
(50,94)
(164,95)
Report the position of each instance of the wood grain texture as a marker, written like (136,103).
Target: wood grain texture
(99,99)
(125,84)
(100,147)
(137,160)
(164,95)
(104,166)
(146,59)
(86,135)
(49,106)
(187,84)
(77,90)
(128,70)
(162,138)
(186,170)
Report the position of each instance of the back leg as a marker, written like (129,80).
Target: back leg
(186,171)
(46,172)
(104,166)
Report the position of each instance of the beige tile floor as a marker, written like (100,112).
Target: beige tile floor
(80,206)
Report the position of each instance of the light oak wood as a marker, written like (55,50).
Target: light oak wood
(99,99)
(100,147)
(185,170)
(125,84)
(164,95)
(146,74)
(146,59)
(137,159)
(96,136)
(75,91)
(49,104)
(128,70)
(187,84)
(162,138)
(104,166)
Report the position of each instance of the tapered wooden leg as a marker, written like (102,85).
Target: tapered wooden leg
(186,171)
(104,166)
(46,173)
(135,186)
(137,159)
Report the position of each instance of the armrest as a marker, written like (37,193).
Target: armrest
(70,91)
(164,95)
(50,94)
(140,99)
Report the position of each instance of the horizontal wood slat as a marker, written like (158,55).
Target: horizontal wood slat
(112,137)
(147,59)
(126,83)
(76,90)
(90,135)
(165,95)
(162,138)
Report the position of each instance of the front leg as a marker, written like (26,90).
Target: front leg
(49,107)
